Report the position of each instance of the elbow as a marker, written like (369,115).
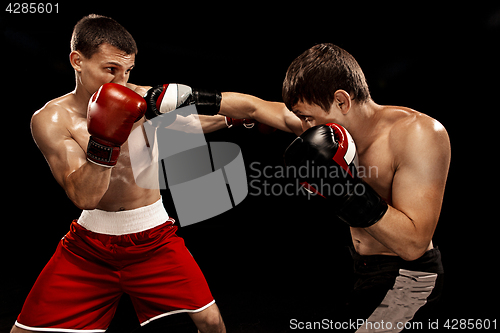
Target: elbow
(411,256)
(85,206)
(85,202)
(413,252)
(84,189)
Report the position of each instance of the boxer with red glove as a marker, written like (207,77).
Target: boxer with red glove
(332,146)
(112,112)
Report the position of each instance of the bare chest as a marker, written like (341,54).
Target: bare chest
(122,175)
(376,167)
(79,132)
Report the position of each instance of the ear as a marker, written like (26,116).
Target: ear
(75,58)
(342,101)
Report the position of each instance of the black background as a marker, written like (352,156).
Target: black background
(271,258)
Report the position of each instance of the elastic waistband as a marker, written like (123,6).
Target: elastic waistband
(430,261)
(124,222)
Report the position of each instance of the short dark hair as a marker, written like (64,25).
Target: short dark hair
(93,30)
(315,76)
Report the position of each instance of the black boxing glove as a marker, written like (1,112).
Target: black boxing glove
(328,154)
(164,99)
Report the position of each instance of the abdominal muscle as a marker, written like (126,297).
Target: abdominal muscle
(123,193)
(366,245)
(114,201)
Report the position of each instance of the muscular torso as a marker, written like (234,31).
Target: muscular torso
(123,193)
(377,165)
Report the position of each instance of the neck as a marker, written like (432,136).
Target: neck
(81,96)
(362,122)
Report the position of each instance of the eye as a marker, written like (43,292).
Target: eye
(110,69)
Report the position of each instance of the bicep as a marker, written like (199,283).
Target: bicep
(274,114)
(69,159)
(63,154)
(416,195)
(420,179)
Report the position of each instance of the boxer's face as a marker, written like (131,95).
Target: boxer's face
(311,115)
(109,64)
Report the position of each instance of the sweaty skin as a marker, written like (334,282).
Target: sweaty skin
(60,131)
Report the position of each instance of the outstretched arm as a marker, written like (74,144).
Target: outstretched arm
(274,114)
(243,106)
(191,123)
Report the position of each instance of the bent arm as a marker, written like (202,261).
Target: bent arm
(417,193)
(274,114)
(84,182)
(87,185)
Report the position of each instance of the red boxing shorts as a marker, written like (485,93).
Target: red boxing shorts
(79,288)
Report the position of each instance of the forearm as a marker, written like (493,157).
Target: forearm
(212,123)
(238,106)
(400,234)
(87,185)
(192,123)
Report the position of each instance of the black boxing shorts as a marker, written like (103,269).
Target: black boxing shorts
(388,291)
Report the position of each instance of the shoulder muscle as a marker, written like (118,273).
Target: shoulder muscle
(422,155)
(420,139)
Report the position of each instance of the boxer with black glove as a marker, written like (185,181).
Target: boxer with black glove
(332,146)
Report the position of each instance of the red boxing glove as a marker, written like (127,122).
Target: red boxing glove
(112,112)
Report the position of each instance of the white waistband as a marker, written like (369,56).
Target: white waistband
(124,222)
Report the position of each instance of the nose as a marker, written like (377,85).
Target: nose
(120,79)
(306,125)
(120,82)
